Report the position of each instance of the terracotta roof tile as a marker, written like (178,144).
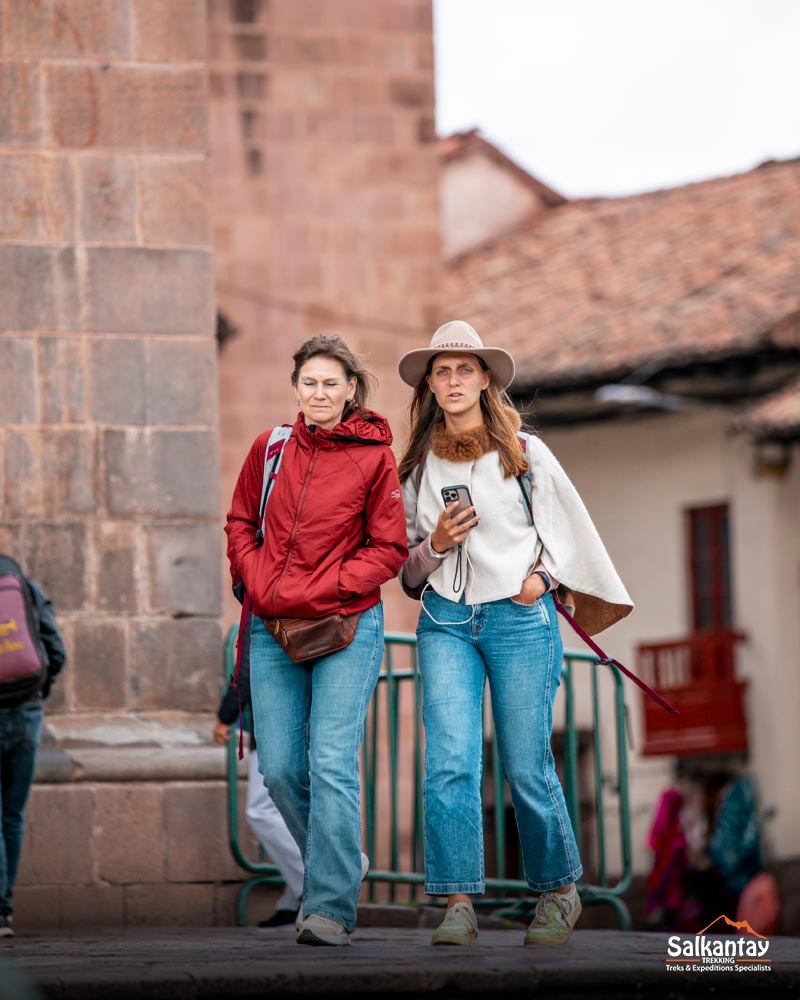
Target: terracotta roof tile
(460,144)
(599,288)
(778,416)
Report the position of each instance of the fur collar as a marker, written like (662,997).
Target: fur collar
(465,447)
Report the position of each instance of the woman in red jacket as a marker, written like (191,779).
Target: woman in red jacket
(334,532)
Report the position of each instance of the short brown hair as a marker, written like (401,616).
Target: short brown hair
(330,345)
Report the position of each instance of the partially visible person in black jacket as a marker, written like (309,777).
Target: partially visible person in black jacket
(262,814)
(20,732)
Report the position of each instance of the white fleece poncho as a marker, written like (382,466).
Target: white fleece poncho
(501,550)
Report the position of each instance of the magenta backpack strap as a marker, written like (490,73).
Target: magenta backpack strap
(604,658)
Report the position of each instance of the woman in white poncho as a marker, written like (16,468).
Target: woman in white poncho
(485,576)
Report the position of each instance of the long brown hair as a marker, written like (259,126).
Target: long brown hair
(331,345)
(501,420)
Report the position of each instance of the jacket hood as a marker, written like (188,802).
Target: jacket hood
(367,428)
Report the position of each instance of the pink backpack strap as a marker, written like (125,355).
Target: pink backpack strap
(605,658)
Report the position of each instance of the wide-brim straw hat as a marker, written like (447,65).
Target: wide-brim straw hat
(456,337)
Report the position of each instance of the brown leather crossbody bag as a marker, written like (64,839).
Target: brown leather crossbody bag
(308,638)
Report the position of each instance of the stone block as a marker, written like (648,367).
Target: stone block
(406,15)
(115,559)
(171,32)
(20,106)
(13,539)
(40,288)
(108,200)
(58,837)
(190,366)
(175,663)
(91,906)
(183,569)
(247,11)
(69,471)
(174,202)
(197,835)
(38,199)
(163,905)
(56,558)
(117,376)
(62,380)
(36,906)
(18,365)
(98,665)
(67,28)
(164,473)
(127,107)
(23,474)
(129,833)
(50,472)
(224,905)
(150,291)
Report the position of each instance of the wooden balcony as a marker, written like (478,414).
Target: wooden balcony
(698,676)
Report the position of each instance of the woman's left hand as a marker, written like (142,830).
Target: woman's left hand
(533,587)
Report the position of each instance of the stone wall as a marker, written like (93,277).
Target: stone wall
(320,201)
(325,177)
(109,470)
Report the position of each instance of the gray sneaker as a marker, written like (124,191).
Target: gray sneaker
(6,930)
(460,926)
(364,872)
(322,931)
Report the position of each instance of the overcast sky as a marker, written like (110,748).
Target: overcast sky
(619,96)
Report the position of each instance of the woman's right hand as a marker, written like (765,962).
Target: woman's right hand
(452,528)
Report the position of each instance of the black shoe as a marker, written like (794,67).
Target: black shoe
(6,930)
(279,918)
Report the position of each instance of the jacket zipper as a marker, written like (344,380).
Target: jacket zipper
(294,527)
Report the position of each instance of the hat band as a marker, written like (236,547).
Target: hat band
(456,343)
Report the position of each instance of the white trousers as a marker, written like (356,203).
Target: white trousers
(268,826)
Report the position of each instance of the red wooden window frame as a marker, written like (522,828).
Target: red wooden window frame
(708,536)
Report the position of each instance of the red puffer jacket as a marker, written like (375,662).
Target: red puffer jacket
(335,526)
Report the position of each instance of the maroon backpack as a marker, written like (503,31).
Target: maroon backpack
(23,660)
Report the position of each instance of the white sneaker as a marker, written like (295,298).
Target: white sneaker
(460,926)
(555,916)
(364,872)
(322,931)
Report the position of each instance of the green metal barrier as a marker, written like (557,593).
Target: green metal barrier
(392,769)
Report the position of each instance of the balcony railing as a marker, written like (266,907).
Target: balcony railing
(698,676)
(392,767)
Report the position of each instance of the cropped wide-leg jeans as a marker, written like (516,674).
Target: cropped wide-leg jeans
(518,647)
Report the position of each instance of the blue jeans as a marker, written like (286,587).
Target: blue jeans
(20,731)
(309,723)
(519,648)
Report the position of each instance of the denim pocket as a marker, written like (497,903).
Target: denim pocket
(519,604)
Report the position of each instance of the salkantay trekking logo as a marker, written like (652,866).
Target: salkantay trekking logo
(722,954)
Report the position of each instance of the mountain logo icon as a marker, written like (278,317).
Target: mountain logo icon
(739,925)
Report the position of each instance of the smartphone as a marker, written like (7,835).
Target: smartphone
(459,494)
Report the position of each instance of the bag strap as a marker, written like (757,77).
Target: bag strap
(273,457)
(522,478)
(272,461)
(605,658)
(243,621)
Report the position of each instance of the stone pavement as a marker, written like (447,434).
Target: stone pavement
(225,963)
